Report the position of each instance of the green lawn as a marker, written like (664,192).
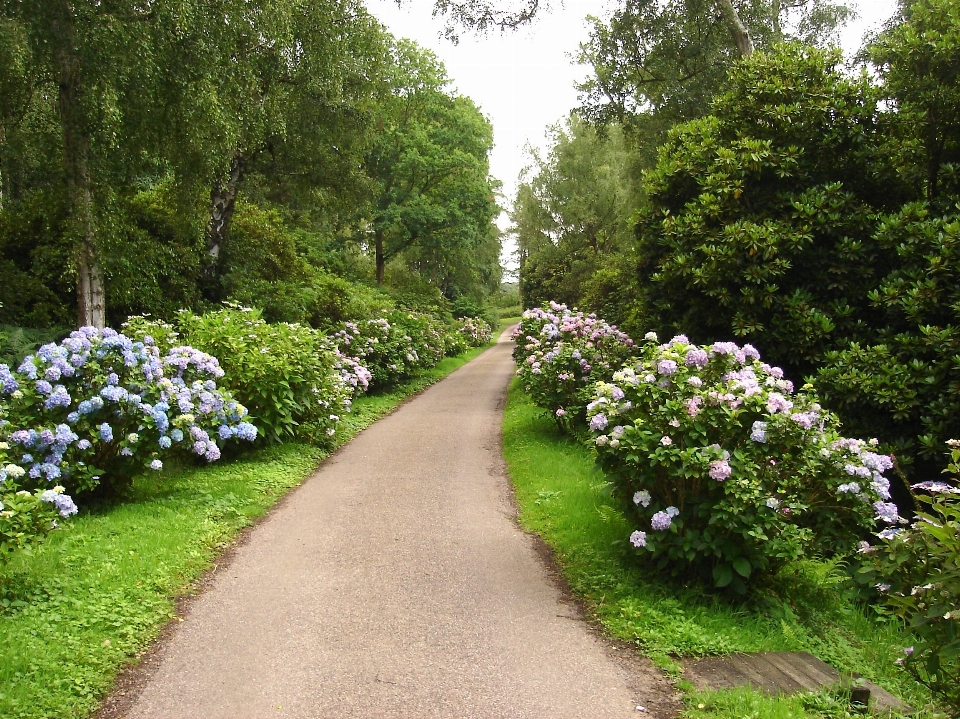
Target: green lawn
(565,498)
(97,593)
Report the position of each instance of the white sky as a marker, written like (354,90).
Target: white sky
(524,81)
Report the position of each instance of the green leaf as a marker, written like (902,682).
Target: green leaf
(742,565)
(722,575)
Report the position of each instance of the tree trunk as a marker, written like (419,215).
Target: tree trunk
(381,257)
(91,309)
(223,199)
(739,32)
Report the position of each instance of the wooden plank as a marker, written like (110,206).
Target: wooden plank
(786,680)
(804,679)
(820,672)
(757,678)
(716,673)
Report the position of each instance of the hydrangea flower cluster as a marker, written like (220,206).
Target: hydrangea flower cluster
(292,377)
(727,470)
(101,405)
(395,346)
(560,351)
(474,330)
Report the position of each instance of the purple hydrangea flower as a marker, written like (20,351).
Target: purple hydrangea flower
(638,539)
(661,521)
(697,358)
(599,422)
(720,470)
(886,512)
(666,367)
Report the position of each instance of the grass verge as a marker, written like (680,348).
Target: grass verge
(73,613)
(566,499)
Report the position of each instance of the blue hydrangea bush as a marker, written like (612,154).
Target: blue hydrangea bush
(561,352)
(293,378)
(26,518)
(726,471)
(916,570)
(102,407)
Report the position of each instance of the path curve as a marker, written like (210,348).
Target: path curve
(395,583)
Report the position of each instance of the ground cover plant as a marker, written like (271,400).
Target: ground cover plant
(809,605)
(75,611)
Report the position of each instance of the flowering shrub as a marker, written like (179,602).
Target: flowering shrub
(475,330)
(25,517)
(292,377)
(559,352)
(917,570)
(394,346)
(100,405)
(725,470)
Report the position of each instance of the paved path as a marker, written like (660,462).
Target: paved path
(395,583)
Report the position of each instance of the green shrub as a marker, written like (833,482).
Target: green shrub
(917,571)
(725,471)
(26,518)
(291,377)
(904,385)
(761,216)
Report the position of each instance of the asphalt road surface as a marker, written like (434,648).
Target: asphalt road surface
(396,583)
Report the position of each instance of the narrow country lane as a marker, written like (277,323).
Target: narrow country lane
(395,583)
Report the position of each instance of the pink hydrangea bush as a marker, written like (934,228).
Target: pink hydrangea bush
(561,352)
(475,331)
(726,470)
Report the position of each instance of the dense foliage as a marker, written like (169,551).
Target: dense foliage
(158,159)
(917,572)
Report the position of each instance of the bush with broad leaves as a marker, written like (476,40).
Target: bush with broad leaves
(293,378)
(725,470)
(560,352)
(917,572)
(26,518)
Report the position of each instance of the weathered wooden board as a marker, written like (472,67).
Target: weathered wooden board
(781,673)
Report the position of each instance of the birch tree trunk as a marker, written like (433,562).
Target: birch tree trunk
(223,202)
(91,306)
(739,32)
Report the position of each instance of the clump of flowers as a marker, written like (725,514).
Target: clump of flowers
(726,470)
(26,518)
(100,405)
(916,569)
(293,378)
(474,330)
(560,352)
(395,346)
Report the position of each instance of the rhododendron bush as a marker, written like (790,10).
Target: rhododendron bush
(100,406)
(726,470)
(560,352)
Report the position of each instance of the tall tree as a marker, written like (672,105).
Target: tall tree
(89,56)
(428,162)
(670,58)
